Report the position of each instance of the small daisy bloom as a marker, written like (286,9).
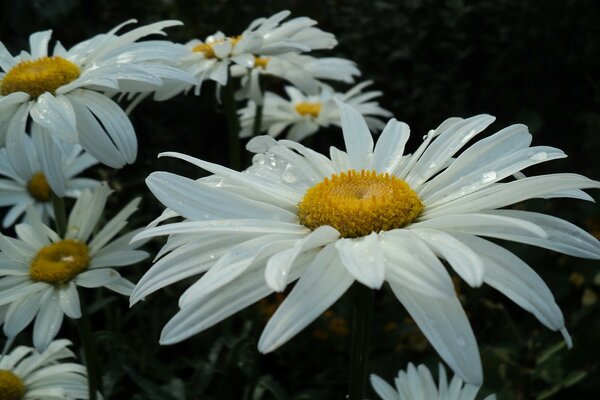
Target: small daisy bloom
(372,215)
(416,383)
(304,115)
(61,91)
(26,184)
(41,271)
(26,374)
(210,59)
(302,71)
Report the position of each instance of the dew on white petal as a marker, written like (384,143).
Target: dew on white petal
(461,341)
(468,137)
(288,174)
(283,273)
(258,159)
(540,156)
(488,177)
(212,256)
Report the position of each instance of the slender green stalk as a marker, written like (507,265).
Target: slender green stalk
(60,214)
(257,120)
(359,342)
(87,341)
(233,128)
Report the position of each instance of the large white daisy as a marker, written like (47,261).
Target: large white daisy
(26,374)
(210,59)
(416,383)
(26,184)
(41,271)
(304,114)
(61,90)
(372,215)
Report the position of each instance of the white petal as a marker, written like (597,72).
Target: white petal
(94,278)
(48,321)
(20,314)
(56,114)
(383,389)
(363,258)
(121,286)
(50,157)
(324,281)
(69,300)
(444,323)
(390,146)
(358,139)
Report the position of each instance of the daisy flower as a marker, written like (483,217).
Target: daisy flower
(302,71)
(26,374)
(416,383)
(304,115)
(41,271)
(371,214)
(27,185)
(211,58)
(61,90)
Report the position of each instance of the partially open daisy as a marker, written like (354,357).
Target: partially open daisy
(26,374)
(416,383)
(41,271)
(304,114)
(211,58)
(26,184)
(61,91)
(372,215)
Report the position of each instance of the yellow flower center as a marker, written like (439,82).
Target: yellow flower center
(38,188)
(312,109)
(358,203)
(261,62)
(208,49)
(39,76)
(11,386)
(59,262)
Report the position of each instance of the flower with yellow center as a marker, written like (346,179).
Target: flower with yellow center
(61,92)
(368,215)
(24,184)
(308,109)
(26,374)
(40,279)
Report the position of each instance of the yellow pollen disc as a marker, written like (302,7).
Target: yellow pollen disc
(11,386)
(261,62)
(358,203)
(36,77)
(312,109)
(59,262)
(208,49)
(38,188)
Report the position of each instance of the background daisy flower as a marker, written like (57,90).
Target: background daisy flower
(27,185)
(304,114)
(372,215)
(41,271)
(26,374)
(416,383)
(61,90)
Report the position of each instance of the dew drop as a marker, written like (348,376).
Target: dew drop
(540,156)
(488,177)
(288,174)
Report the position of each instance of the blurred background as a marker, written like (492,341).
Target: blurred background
(531,62)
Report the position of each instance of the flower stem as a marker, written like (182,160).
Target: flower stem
(60,214)
(233,128)
(87,341)
(359,344)
(257,120)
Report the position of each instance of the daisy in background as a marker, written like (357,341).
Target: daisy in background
(416,383)
(26,184)
(61,91)
(26,374)
(371,214)
(304,115)
(211,58)
(303,71)
(41,271)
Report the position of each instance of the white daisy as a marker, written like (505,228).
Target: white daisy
(59,90)
(41,271)
(302,71)
(27,185)
(211,58)
(304,115)
(416,383)
(26,374)
(371,215)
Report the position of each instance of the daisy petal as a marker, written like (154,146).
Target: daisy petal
(20,314)
(48,321)
(358,139)
(363,259)
(69,300)
(390,146)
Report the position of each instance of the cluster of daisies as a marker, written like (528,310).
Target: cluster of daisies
(368,215)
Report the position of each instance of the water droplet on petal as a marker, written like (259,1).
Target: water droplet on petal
(540,156)
(488,177)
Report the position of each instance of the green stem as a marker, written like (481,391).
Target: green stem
(87,341)
(233,127)
(257,120)
(359,345)
(60,215)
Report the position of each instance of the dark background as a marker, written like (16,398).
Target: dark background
(532,62)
